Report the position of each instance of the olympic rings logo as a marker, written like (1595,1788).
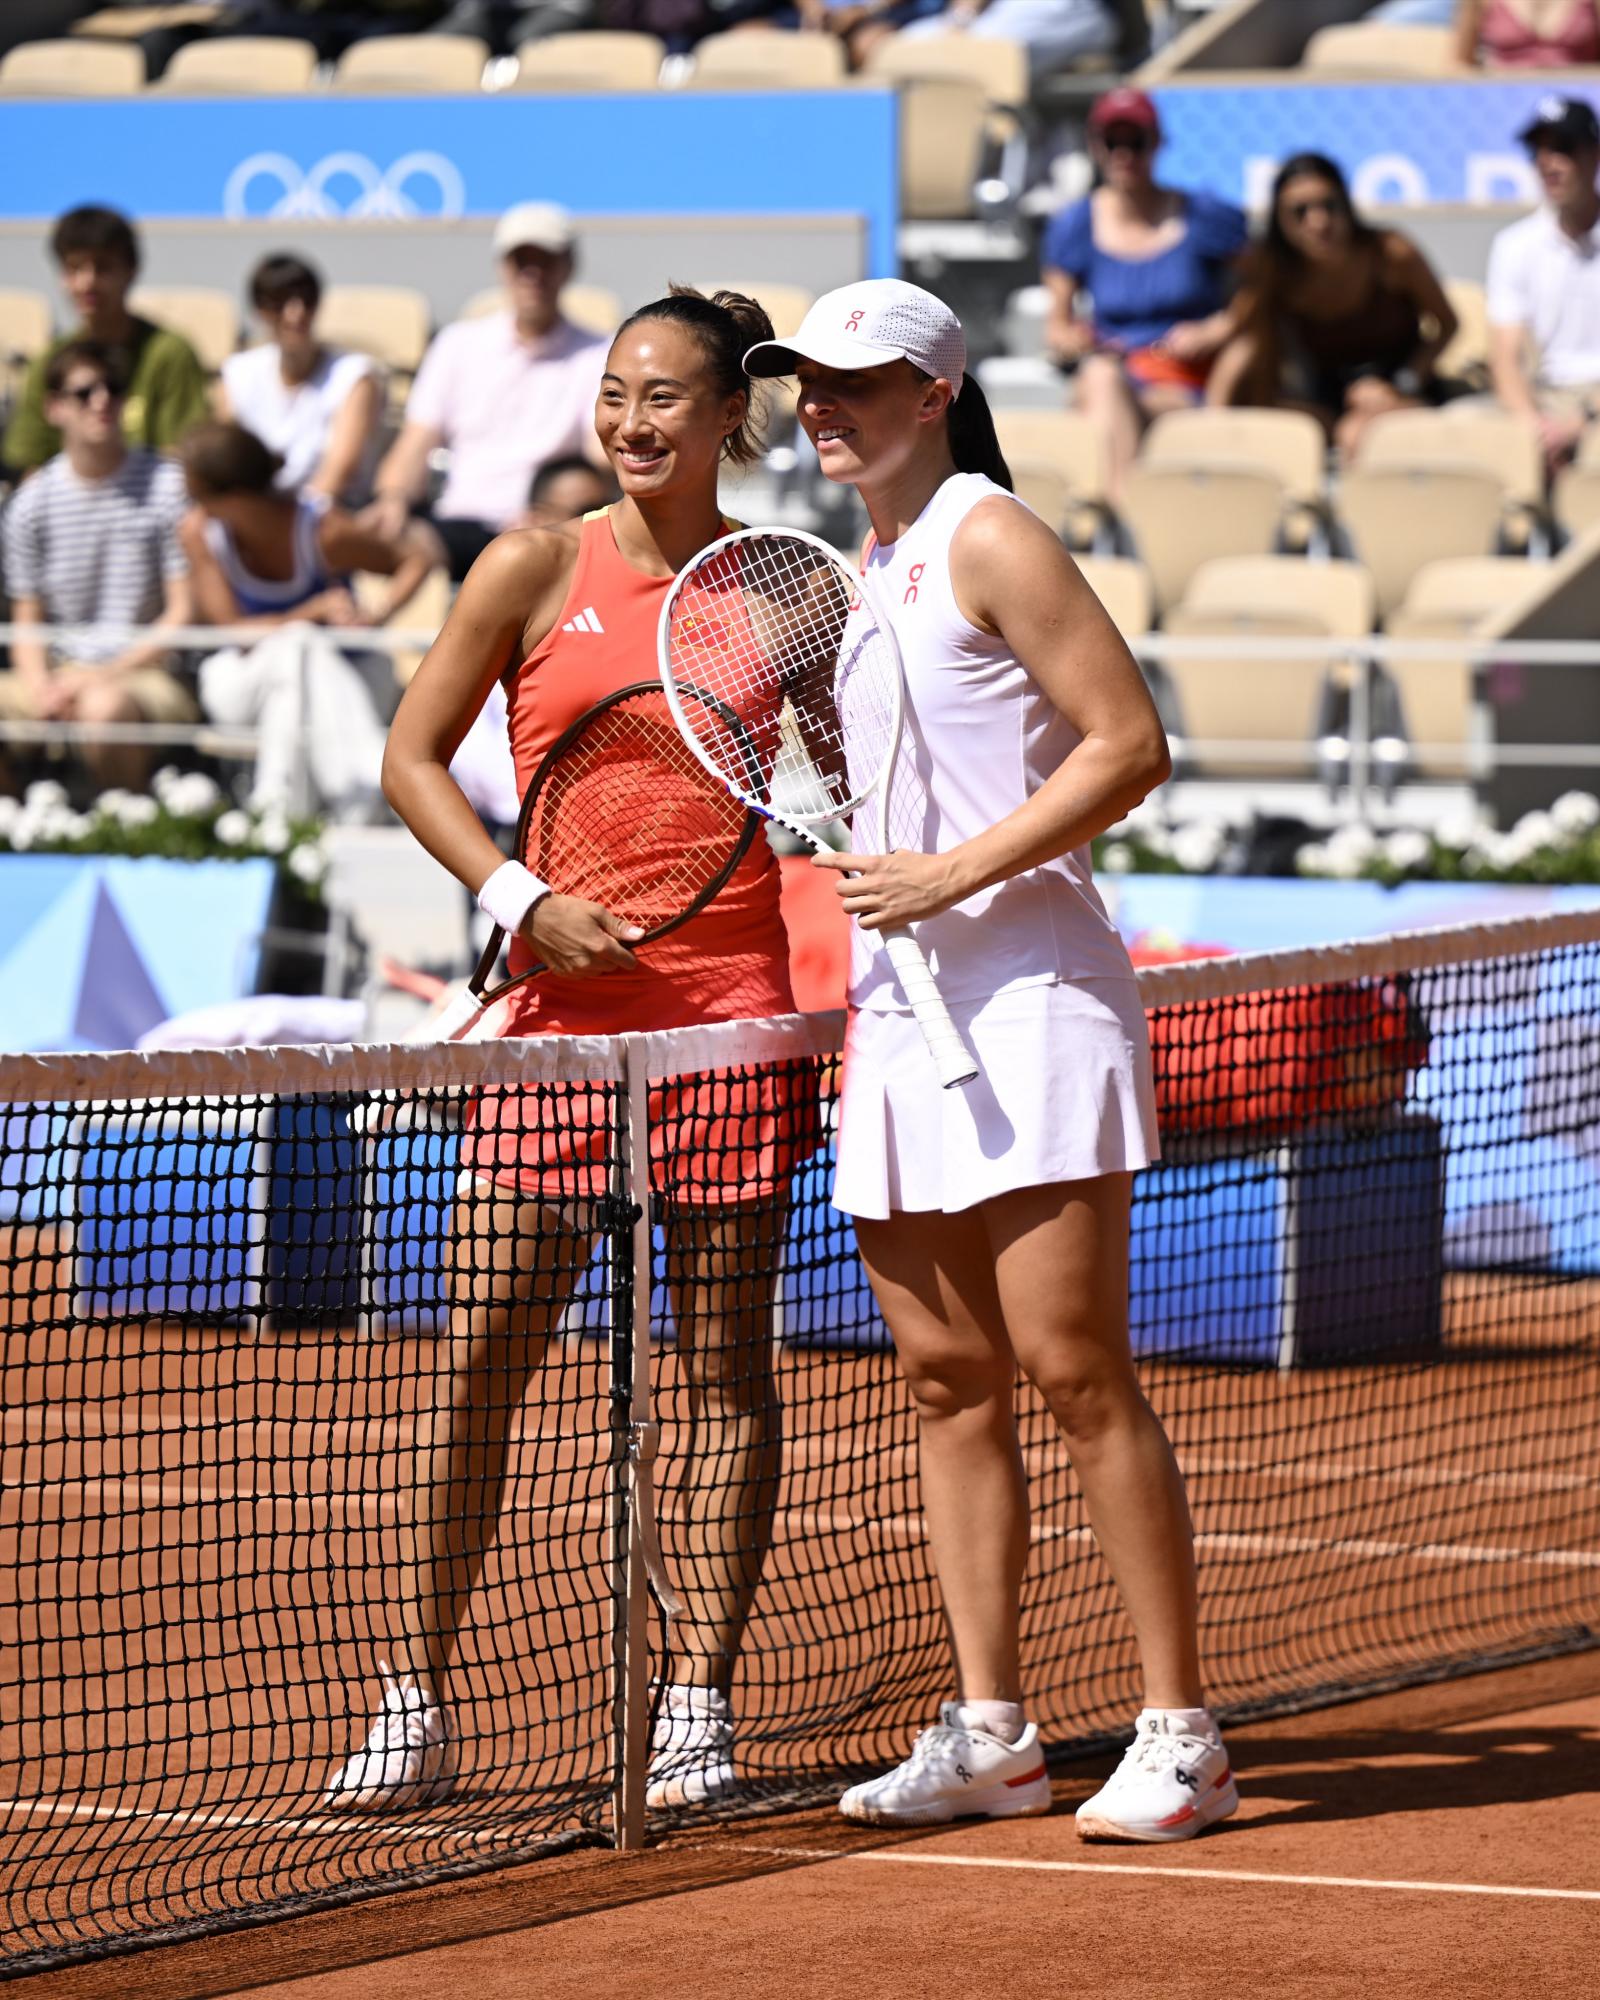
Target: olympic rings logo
(344,185)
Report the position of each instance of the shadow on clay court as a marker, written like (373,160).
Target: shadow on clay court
(1375,1775)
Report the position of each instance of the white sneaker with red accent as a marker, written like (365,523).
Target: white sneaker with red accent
(1172,1783)
(955,1772)
(408,1759)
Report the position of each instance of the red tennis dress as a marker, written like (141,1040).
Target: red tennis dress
(735,1138)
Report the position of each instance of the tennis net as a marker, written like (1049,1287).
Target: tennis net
(317,1357)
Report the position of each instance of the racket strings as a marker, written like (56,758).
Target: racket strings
(774,629)
(630,820)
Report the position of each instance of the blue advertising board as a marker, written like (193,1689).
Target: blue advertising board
(1401,144)
(323,158)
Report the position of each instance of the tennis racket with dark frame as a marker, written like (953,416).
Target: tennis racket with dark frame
(775,626)
(621,813)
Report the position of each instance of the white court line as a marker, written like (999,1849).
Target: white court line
(893,1855)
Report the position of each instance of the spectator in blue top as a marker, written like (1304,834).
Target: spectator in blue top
(1157,266)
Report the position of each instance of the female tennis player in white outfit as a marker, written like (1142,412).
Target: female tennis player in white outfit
(994,1220)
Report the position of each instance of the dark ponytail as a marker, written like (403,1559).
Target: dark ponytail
(974,443)
(726,325)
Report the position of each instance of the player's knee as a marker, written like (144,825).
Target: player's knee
(945,1385)
(1087,1394)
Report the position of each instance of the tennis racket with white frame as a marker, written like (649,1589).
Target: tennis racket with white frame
(775,626)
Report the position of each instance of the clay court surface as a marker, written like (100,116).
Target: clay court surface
(1480,1792)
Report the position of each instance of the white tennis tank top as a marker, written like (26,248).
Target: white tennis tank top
(981,737)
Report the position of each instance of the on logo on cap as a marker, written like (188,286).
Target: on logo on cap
(853,323)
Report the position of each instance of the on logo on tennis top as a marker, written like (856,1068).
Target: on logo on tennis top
(914,575)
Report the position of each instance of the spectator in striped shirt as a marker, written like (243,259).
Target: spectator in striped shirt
(92,539)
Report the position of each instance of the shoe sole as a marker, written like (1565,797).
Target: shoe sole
(1093,1827)
(1030,1801)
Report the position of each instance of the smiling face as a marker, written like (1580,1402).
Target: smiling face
(659,415)
(868,423)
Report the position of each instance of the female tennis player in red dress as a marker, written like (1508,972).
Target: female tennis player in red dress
(994,1221)
(577,606)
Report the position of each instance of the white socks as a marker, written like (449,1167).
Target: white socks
(1003,1719)
(1192,1721)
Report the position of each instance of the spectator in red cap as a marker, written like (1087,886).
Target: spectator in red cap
(1054,32)
(1157,263)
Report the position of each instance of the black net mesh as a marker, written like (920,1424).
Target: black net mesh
(302,1375)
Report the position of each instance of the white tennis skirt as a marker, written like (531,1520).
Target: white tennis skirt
(1064,1094)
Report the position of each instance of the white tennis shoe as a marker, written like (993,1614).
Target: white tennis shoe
(691,1749)
(408,1759)
(955,1772)
(1172,1783)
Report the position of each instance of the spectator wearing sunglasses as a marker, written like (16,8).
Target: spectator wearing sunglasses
(1543,288)
(1157,263)
(93,540)
(1337,317)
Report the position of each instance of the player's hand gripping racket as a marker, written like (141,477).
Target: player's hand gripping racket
(621,814)
(775,626)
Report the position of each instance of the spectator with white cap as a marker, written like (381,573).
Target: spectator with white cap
(1543,289)
(504,393)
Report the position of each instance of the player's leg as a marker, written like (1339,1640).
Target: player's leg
(933,1277)
(721,1271)
(1061,1267)
(511,1266)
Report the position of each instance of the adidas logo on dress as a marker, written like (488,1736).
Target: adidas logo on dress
(587,620)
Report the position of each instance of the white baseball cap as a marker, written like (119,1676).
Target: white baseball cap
(535,225)
(867,324)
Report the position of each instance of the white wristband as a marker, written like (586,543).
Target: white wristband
(510,893)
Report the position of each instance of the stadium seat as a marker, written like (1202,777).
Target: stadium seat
(240,66)
(798,61)
(1289,444)
(786,305)
(1000,67)
(25,325)
(1254,703)
(594,61)
(944,135)
(72,68)
(1449,599)
(592,307)
(1399,517)
(413,64)
(390,322)
(1485,440)
(1058,464)
(1466,359)
(1179,516)
(1371,49)
(207,319)
(1123,587)
(425,613)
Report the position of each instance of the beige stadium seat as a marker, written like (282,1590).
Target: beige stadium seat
(1287,443)
(1369,48)
(413,64)
(240,66)
(786,305)
(944,133)
(1000,67)
(598,60)
(390,322)
(1466,359)
(1180,516)
(425,613)
(1576,500)
(25,325)
(799,61)
(207,319)
(1058,464)
(1485,440)
(1267,708)
(1123,587)
(1400,517)
(1449,599)
(592,307)
(72,69)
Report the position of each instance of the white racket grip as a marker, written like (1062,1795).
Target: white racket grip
(951,1056)
(459,1012)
